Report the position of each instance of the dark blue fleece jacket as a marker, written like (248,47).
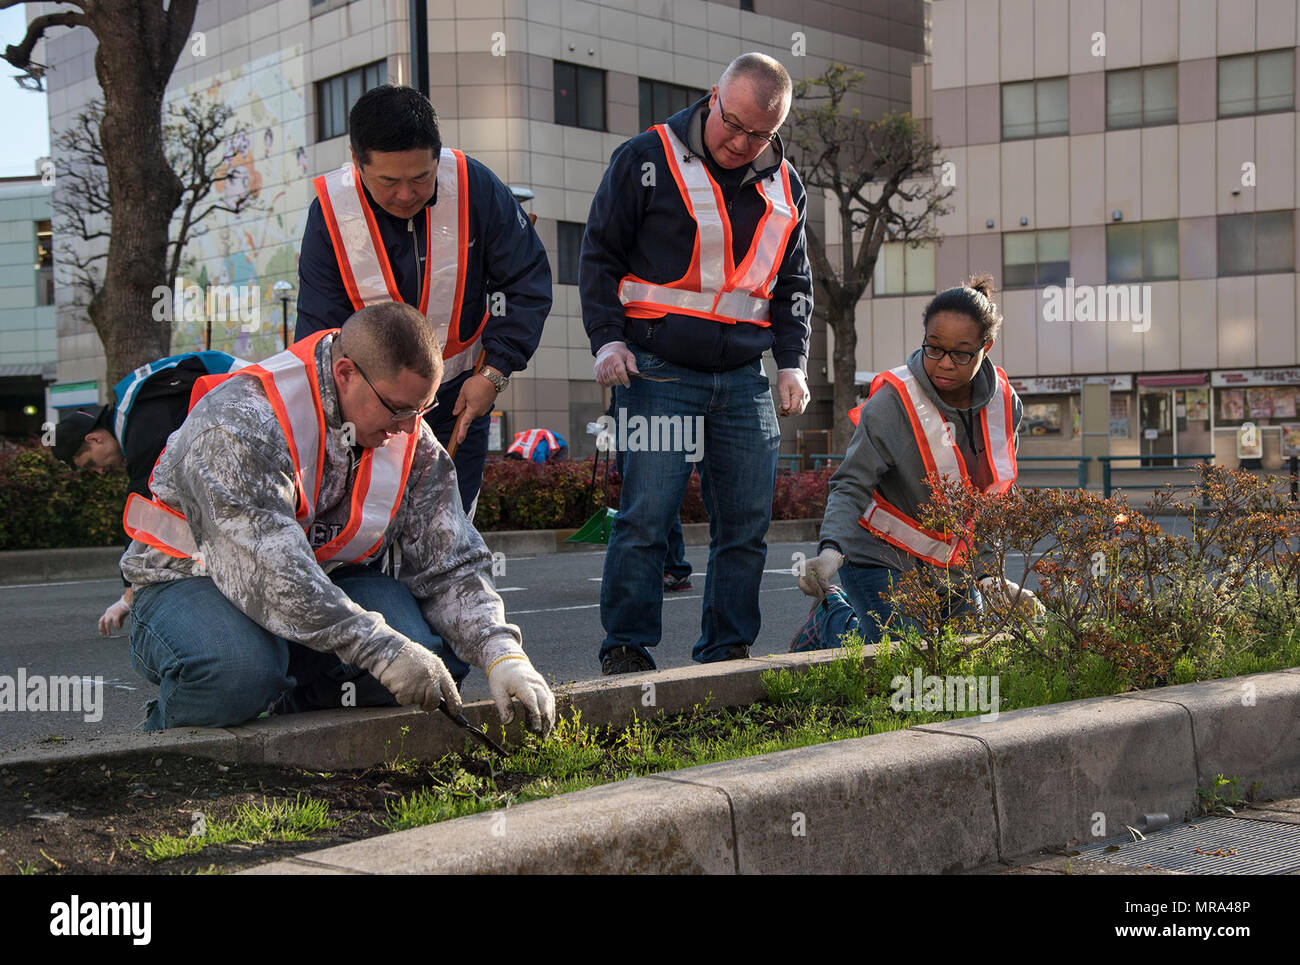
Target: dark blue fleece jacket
(644,229)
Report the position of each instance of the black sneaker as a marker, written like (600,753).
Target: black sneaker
(673,584)
(737,653)
(624,660)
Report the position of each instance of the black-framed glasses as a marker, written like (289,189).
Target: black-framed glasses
(399,415)
(936,354)
(755,138)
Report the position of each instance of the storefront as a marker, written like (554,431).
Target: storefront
(1174,416)
(1051,422)
(1255,421)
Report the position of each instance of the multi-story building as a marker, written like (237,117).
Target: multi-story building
(542,91)
(27,345)
(1127,172)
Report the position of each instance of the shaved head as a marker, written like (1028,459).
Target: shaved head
(386,338)
(771,82)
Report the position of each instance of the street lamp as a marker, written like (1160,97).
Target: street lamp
(282,289)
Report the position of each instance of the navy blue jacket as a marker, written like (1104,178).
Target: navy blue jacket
(505,255)
(645,230)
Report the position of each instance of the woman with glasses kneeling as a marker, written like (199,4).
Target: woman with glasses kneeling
(948,409)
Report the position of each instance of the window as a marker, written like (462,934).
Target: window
(1035,108)
(1142,97)
(659,100)
(1033,259)
(1255,244)
(903,270)
(579,96)
(1142,252)
(336,95)
(569,242)
(1257,83)
(747,5)
(44,263)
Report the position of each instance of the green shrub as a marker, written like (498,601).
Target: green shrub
(44,503)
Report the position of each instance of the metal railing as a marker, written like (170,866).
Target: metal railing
(1081,460)
(1108,470)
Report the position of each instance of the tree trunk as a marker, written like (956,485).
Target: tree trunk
(133,68)
(844,365)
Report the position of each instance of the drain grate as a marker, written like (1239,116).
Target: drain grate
(1228,846)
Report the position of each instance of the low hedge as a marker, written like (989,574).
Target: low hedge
(45,504)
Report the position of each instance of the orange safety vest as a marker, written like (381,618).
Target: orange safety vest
(941,455)
(293,389)
(714,287)
(363,258)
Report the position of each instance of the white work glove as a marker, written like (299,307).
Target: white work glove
(815,575)
(112,619)
(792,387)
(513,677)
(1025,600)
(416,676)
(613,363)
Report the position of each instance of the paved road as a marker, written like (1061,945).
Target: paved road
(555,600)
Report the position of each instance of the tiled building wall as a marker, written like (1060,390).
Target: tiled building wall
(1186,172)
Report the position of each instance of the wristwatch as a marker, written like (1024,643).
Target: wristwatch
(498,380)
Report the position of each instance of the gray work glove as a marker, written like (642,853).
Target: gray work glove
(817,575)
(1024,600)
(416,676)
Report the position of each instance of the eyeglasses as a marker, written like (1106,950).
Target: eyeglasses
(755,139)
(936,354)
(399,415)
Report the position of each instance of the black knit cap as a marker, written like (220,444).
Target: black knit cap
(73,428)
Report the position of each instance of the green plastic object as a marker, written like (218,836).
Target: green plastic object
(596,529)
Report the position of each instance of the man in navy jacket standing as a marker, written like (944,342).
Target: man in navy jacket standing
(693,266)
(412,221)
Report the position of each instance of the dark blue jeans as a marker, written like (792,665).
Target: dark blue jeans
(471,456)
(737,466)
(214,667)
(868,610)
(675,563)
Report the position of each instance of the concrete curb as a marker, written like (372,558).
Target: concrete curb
(365,737)
(933,798)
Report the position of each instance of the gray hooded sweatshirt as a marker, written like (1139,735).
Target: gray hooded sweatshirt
(883,456)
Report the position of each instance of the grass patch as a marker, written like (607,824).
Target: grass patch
(275,820)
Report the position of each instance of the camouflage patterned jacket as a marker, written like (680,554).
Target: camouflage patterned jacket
(228,470)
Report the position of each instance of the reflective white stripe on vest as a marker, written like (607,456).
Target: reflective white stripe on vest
(367,257)
(915,541)
(294,386)
(938,436)
(737,302)
(383,476)
(144,517)
(1000,444)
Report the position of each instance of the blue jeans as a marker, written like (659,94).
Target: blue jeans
(214,667)
(675,563)
(737,467)
(867,610)
(471,455)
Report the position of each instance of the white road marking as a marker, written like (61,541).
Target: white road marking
(28,586)
(510,589)
(592,606)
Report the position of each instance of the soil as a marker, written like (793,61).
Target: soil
(125,799)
